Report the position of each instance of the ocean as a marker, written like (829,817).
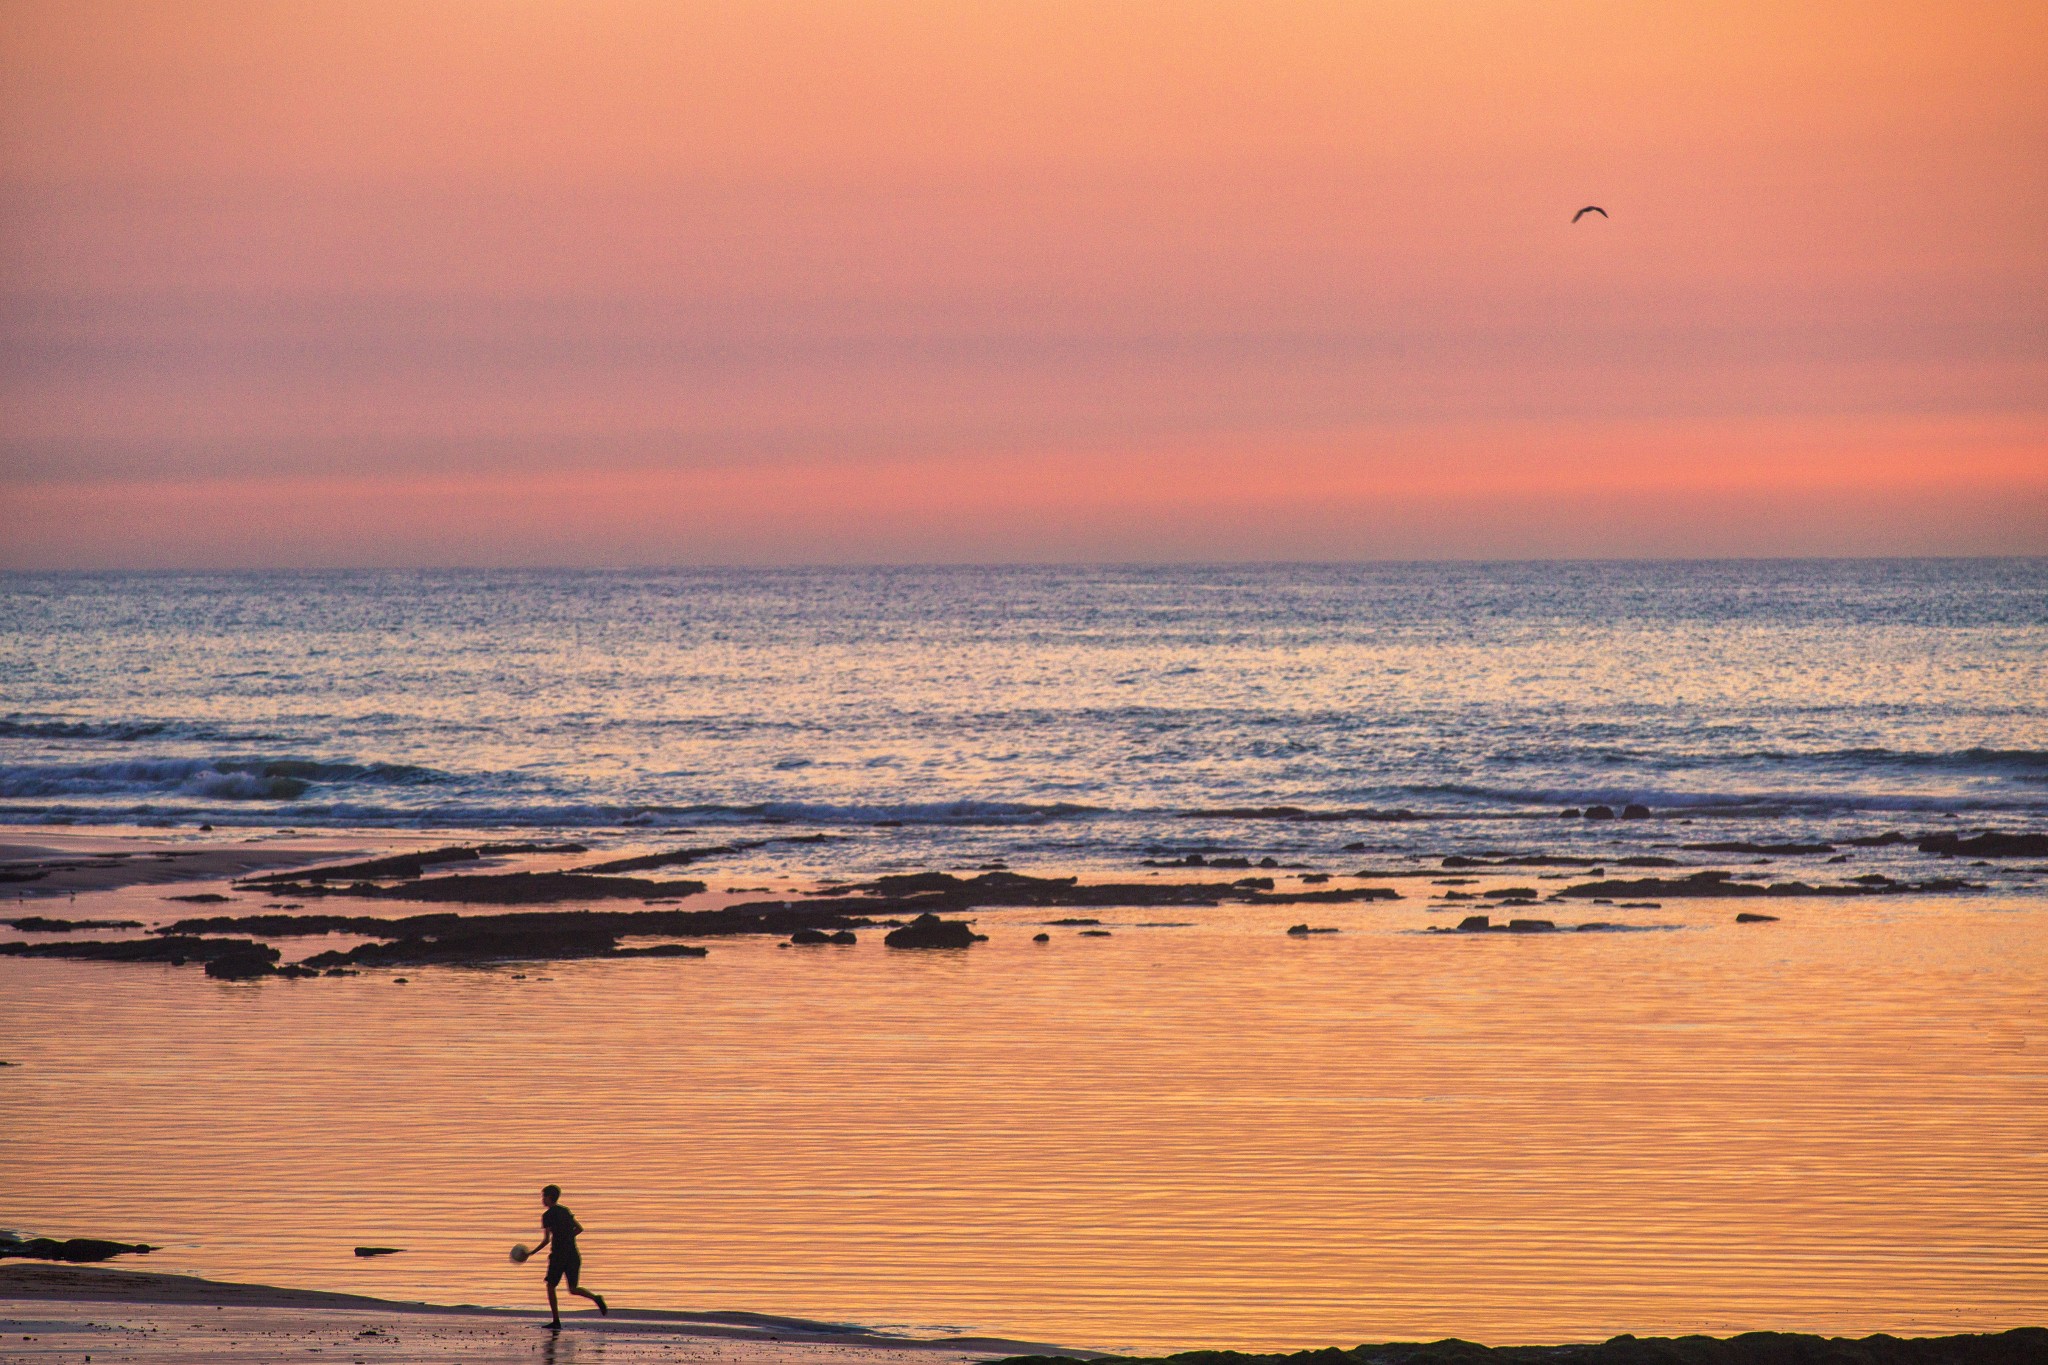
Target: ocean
(1041,715)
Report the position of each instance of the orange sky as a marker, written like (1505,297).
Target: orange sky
(524,282)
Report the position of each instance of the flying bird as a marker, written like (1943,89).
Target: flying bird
(1590,208)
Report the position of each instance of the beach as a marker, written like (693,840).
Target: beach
(50,1313)
(1378,1112)
(1512,955)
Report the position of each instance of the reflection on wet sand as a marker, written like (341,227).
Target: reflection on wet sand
(1214,1133)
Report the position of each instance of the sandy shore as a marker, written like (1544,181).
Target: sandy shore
(59,863)
(72,1313)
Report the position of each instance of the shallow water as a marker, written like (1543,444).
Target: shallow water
(1203,1135)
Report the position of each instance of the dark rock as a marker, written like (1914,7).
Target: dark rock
(661,950)
(1296,813)
(1095,933)
(203,898)
(1254,883)
(378,1251)
(1314,878)
(1599,812)
(1072,923)
(1716,883)
(176,951)
(1751,917)
(1743,846)
(36,924)
(1517,860)
(1524,893)
(1531,926)
(75,1249)
(1593,926)
(1341,897)
(1041,938)
(1474,924)
(929,931)
(2020,1346)
(258,959)
(405,866)
(1989,844)
(1269,862)
(1632,811)
(845,937)
(1301,930)
(802,936)
(1570,813)
(506,888)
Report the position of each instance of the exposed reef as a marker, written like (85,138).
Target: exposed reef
(503,888)
(921,891)
(1715,883)
(76,1249)
(1300,813)
(1989,844)
(175,949)
(929,931)
(409,865)
(2021,1346)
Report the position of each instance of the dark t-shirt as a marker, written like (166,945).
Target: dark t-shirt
(558,1221)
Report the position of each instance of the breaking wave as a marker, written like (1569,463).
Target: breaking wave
(253,779)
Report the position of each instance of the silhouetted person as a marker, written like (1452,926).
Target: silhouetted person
(558,1230)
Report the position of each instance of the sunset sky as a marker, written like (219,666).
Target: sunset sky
(636,282)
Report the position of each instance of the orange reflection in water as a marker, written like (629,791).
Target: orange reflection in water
(1202,1135)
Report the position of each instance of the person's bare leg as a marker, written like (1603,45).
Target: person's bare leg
(591,1294)
(554,1309)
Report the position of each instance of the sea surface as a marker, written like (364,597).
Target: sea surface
(1197,1130)
(1038,714)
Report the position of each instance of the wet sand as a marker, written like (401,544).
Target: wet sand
(62,864)
(73,1313)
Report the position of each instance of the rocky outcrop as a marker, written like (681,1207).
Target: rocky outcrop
(76,1249)
(1989,844)
(1744,846)
(1721,884)
(2021,1346)
(506,888)
(176,950)
(929,931)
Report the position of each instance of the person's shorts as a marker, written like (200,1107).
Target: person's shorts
(559,1266)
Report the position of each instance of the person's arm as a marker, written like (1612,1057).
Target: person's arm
(576,1225)
(546,1235)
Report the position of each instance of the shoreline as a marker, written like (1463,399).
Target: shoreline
(48,1312)
(741,1337)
